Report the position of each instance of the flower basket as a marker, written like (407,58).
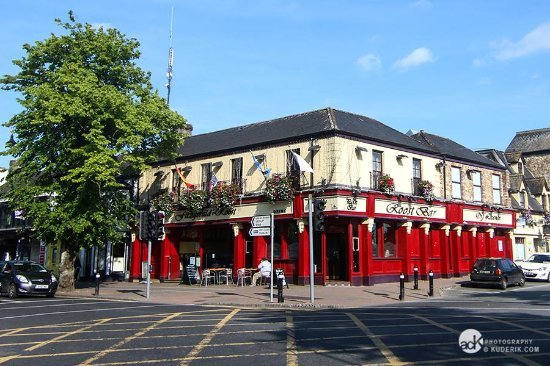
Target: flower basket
(279,188)
(528,217)
(223,197)
(193,203)
(163,202)
(386,184)
(426,190)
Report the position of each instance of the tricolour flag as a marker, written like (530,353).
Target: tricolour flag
(304,166)
(266,172)
(213,181)
(187,184)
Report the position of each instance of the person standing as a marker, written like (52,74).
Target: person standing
(264,270)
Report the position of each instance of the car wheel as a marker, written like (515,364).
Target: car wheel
(12,291)
(503,284)
(548,277)
(521,281)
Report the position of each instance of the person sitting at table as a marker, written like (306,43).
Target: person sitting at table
(264,270)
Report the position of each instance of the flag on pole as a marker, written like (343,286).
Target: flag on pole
(187,184)
(213,181)
(266,172)
(304,166)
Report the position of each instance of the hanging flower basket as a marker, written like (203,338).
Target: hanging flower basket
(164,202)
(528,217)
(426,190)
(193,203)
(223,197)
(279,188)
(386,184)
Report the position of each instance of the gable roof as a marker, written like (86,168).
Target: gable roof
(536,185)
(530,141)
(450,149)
(322,122)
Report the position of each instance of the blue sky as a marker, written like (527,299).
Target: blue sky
(472,71)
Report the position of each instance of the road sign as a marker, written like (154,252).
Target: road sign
(260,231)
(261,221)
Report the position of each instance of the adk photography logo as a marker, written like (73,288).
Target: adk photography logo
(470,341)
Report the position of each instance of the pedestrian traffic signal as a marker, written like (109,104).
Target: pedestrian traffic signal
(319,214)
(159,222)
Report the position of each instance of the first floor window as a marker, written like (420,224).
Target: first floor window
(456,182)
(476,181)
(496,189)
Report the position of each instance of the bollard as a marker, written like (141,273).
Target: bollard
(401,286)
(97,284)
(415,269)
(431,278)
(280,279)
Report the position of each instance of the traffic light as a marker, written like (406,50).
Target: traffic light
(319,214)
(151,225)
(143,225)
(159,222)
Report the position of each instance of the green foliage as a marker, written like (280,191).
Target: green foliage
(193,203)
(222,198)
(89,112)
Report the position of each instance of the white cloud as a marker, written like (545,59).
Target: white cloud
(417,57)
(536,41)
(370,62)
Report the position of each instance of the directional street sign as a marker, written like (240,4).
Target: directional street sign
(260,231)
(261,221)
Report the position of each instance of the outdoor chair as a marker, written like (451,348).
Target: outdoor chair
(207,276)
(242,275)
(265,280)
(226,276)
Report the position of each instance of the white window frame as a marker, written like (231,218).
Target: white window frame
(456,182)
(497,195)
(476,182)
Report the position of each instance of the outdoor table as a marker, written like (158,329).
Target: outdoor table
(216,272)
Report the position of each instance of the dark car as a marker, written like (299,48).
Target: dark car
(26,278)
(497,271)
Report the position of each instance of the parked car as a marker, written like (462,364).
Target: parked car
(536,267)
(496,271)
(26,278)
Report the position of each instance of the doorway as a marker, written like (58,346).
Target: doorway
(337,257)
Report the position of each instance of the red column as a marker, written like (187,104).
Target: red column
(367,254)
(424,253)
(260,249)
(404,249)
(238,251)
(455,252)
(135,266)
(303,257)
(162,262)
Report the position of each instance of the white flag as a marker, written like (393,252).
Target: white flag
(304,166)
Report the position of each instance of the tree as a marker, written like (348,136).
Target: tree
(89,113)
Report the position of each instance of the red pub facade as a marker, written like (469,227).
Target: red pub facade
(371,234)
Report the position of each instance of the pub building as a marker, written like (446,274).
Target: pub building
(392,201)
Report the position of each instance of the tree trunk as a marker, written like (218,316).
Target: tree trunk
(66,271)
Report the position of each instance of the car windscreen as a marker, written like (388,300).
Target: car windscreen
(29,267)
(539,258)
(486,264)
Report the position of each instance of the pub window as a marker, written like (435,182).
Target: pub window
(292,240)
(276,241)
(292,168)
(456,182)
(206,176)
(496,189)
(376,168)
(417,175)
(476,181)
(384,240)
(237,173)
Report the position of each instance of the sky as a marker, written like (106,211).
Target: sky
(473,71)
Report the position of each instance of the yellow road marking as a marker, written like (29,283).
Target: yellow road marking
(518,326)
(41,344)
(128,339)
(386,352)
(192,355)
(509,354)
(291,354)
(13,332)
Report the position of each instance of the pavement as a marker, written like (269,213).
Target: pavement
(260,296)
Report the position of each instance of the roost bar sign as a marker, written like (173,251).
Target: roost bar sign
(409,209)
